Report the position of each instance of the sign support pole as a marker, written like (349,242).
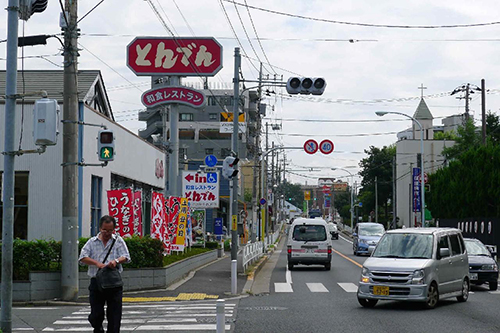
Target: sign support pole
(173,161)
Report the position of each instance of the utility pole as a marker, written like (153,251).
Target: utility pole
(394,186)
(69,250)
(266,188)
(376,200)
(9,167)
(467,102)
(234,144)
(173,151)
(273,189)
(256,163)
(483,110)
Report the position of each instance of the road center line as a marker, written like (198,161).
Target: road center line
(347,258)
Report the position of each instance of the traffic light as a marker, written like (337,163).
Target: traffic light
(230,167)
(29,7)
(305,85)
(106,145)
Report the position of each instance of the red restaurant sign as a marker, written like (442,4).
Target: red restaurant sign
(199,56)
(179,95)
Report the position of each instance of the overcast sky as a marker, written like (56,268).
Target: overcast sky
(367,68)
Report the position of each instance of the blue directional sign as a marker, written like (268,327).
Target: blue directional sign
(218,226)
(212,177)
(210,160)
(262,201)
(360,204)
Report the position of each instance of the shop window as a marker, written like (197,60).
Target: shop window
(213,116)
(186,117)
(21,185)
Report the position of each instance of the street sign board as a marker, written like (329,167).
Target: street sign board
(218,226)
(307,195)
(210,160)
(202,189)
(326,189)
(173,95)
(197,56)
(311,146)
(426,178)
(416,189)
(326,146)
(263,201)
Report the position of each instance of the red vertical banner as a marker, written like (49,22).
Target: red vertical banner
(158,217)
(174,208)
(120,207)
(137,206)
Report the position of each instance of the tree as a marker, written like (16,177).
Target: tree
(292,193)
(377,164)
(493,128)
(467,139)
(342,201)
(448,135)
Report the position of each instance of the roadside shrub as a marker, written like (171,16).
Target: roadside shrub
(211,245)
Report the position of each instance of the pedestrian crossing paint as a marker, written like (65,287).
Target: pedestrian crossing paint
(283,287)
(349,287)
(317,288)
(192,317)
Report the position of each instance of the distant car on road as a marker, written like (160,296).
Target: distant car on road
(333,230)
(365,237)
(482,266)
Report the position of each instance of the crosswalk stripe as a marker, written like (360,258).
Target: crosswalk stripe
(283,287)
(194,317)
(349,287)
(317,288)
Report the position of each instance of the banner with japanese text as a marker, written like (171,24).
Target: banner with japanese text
(137,212)
(158,218)
(180,238)
(416,189)
(174,208)
(120,207)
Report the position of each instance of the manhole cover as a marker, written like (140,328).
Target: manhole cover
(264,308)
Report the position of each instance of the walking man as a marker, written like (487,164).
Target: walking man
(93,254)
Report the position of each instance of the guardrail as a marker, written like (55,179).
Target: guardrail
(251,252)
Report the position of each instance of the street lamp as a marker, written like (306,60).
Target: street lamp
(422,188)
(352,193)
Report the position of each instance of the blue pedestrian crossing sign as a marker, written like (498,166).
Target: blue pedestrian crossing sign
(210,160)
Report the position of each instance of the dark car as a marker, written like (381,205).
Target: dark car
(482,265)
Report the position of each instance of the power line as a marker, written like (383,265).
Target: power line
(337,135)
(366,24)
(90,11)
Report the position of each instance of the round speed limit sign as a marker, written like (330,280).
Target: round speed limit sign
(326,147)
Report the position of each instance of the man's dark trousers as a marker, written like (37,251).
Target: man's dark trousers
(113,298)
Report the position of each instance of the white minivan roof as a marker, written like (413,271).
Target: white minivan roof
(309,221)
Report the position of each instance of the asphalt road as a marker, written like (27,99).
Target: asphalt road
(315,300)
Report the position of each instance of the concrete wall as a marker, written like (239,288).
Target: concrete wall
(46,285)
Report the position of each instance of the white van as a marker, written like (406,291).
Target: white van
(309,243)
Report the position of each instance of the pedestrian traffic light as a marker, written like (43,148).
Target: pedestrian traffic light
(29,7)
(306,85)
(106,145)
(230,167)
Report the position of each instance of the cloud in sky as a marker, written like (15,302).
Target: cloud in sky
(382,63)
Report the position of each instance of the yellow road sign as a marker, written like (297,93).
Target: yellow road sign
(307,195)
(228,117)
(234,225)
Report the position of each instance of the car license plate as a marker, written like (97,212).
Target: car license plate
(473,276)
(379,290)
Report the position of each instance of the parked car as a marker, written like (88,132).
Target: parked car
(416,264)
(309,244)
(365,237)
(482,265)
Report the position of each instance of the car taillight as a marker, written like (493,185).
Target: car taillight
(289,250)
(329,250)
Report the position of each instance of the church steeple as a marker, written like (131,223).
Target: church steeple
(424,117)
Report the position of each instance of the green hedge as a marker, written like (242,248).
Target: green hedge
(41,255)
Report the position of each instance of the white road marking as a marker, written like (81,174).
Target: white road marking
(496,292)
(283,287)
(345,239)
(288,276)
(349,287)
(317,288)
(23,329)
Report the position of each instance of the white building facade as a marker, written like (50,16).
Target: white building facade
(38,179)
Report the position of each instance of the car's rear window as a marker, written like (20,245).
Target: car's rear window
(309,233)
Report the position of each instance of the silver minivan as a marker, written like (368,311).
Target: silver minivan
(416,264)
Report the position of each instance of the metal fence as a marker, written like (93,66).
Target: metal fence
(251,253)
